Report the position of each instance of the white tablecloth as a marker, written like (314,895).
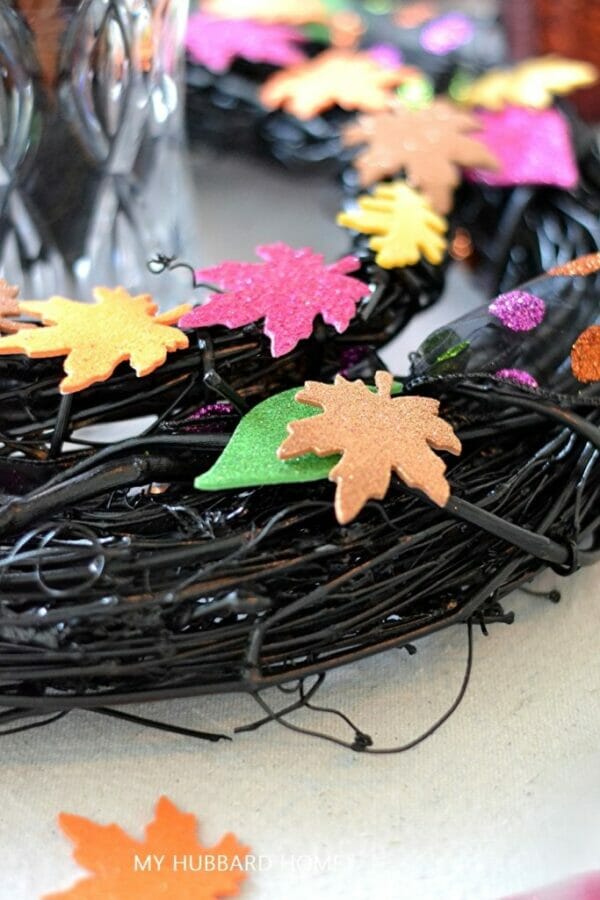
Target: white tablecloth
(504,797)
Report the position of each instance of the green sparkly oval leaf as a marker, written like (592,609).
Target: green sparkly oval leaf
(250,458)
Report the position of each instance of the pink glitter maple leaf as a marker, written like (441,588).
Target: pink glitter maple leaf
(533,146)
(215,42)
(287,290)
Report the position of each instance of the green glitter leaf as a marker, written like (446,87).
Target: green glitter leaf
(250,457)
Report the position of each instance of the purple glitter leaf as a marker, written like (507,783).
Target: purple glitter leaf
(518,310)
(387,55)
(533,146)
(288,290)
(447,33)
(519,376)
(215,42)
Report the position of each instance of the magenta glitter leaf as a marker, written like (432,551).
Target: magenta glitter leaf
(288,290)
(215,42)
(519,376)
(518,310)
(533,146)
(447,33)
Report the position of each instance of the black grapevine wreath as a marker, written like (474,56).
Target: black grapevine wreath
(293,506)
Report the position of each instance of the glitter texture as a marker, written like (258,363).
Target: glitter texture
(585,355)
(533,147)
(519,376)
(431,144)
(386,55)
(203,419)
(96,337)
(212,409)
(448,33)
(289,289)
(518,310)
(583,265)
(215,42)
(376,434)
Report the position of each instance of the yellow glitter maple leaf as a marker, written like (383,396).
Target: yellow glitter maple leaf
(533,83)
(96,337)
(403,222)
(289,12)
(377,434)
(346,78)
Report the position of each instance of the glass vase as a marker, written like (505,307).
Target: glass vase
(92,151)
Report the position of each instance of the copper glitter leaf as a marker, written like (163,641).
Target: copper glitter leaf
(430,144)
(404,225)
(9,308)
(345,78)
(585,355)
(533,83)
(376,435)
(583,265)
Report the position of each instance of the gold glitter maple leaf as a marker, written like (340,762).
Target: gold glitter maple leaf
(376,434)
(404,224)
(430,144)
(350,79)
(533,83)
(96,337)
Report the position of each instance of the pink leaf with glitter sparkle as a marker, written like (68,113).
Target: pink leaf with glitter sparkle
(288,290)
(215,42)
(533,146)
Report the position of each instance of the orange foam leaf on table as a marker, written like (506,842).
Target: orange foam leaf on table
(110,854)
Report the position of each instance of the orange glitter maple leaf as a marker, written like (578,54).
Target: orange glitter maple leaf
(350,79)
(172,837)
(377,434)
(96,337)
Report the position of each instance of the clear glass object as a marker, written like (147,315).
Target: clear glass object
(92,152)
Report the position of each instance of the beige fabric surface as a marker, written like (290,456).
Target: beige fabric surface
(504,797)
